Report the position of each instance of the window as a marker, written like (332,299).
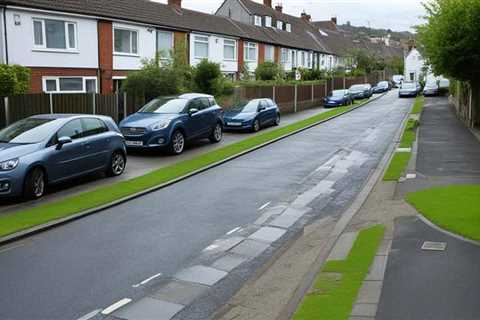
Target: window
(284,56)
(125,41)
(280,25)
(73,129)
(303,59)
(229,49)
(164,44)
(54,34)
(250,51)
(201,47)
(309,59)
(258,21)
(269,53)
(92,126)
(69,84)
(204,103)
(288,27)
(268,21)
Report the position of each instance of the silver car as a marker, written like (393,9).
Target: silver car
(48,149)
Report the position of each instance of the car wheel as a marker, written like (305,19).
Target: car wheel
(217,133)
(117,164)
(34,184)
(277,120)
(177,143)
(256,125)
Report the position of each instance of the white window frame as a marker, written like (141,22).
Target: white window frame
(257,20)
(279,25)
(196,38)
(284,56)
(57,81)
(234,45)
(133,54)
(268,21)
(44,47)
(247,47)
(288,27)
(172,46)
(267,58)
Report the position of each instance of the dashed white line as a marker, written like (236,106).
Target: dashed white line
(233,230)
(116,305)
(264,206)
(90,315)
(147,280)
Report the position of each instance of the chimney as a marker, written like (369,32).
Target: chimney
(334,20)
(305,16)
(279,8)
(175,3)
(267,3)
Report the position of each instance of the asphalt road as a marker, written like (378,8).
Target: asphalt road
(91,263)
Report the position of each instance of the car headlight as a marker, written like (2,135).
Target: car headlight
(9,165)
(160,125)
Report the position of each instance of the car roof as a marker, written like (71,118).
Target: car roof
(194,95)
(55,116)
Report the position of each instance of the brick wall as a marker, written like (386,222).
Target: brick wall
(240,56)
(105,55)
(261,53)
(38,73)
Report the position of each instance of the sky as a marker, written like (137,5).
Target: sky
(398,15)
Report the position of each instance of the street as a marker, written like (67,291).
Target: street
(94,262)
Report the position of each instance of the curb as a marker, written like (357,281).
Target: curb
(49,225)
(448,233)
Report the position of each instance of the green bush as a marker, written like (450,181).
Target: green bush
(14,79)
(268,71)
(311,75)
(208,77)
(23,79)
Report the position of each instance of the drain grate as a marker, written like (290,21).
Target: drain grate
(434,246)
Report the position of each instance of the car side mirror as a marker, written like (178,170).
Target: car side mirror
(62,141)
(261,108)
(192,111)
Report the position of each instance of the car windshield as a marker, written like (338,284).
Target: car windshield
(165,105)
(408,85)
(246,106)
(337,93)
(30,130)
(431,86)
(357,87)
(382,84)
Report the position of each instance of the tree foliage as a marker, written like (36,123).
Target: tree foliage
(14,79)
(450,38)
(268,71)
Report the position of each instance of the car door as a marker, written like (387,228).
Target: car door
(209,117)
(69,160)
(97,140)
(262,108)
(195,121)
(272,111)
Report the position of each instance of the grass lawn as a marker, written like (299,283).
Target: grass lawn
(336,287)
(397,166)
(454,208)
(17,221)
(410,134)
(418,105)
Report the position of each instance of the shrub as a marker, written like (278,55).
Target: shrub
(311,75)
(23,79)
(268,71)
(14,79)
(208,77)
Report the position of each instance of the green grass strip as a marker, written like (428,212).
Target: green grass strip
(418,105)
(17,221)
(336,287)
(397,166)
(454,208)
(410,134)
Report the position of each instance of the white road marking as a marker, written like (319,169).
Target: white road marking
(264,206)
(90,315)
(116,305)
(233,231)
(211,247)
(12,247)
(147,280)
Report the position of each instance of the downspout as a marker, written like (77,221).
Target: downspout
(5,48)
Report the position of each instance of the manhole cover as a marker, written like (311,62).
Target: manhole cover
(434,246)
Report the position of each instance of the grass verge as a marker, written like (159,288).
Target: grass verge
(454,208)
(410,134)
(336,287)
(21,220)
(397,166)
(418,105)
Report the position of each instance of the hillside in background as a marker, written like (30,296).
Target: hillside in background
(365,33)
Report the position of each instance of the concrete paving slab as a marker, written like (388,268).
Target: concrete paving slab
(370,292)
(377,269)
(229,262)
(267,234)
(284,221)
(201,274)
(268,214)
(223,244)
(364,310)
(149,309)
(384,248)
(179,292)
(250,248)
(322,188)
(343,246)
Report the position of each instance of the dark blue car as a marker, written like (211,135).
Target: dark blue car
(172,121)
(48,149)
(338,98)
(252,115)
(361,91)
(381,87)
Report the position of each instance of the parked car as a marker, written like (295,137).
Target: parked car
(338,98)
(431,89)
(443,86)
(252,115)
(381,87)
(361,91)
(397,80)
(47,149)
(170,122)
(409,89)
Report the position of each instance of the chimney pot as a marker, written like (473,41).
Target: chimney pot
(267,3)
(305,16)
(279,7)
(175,3)
(334,20)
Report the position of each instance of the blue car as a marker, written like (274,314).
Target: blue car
(338,98)
(252,115)
(381,87)
(48,149)
(169,122)
(361,91)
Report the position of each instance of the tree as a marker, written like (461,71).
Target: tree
(208,77)
(14,79)
(268,71)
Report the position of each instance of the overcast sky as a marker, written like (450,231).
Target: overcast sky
(397,15)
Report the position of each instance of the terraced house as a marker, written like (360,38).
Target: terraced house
(76,46)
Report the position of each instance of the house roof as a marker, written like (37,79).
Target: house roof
(326,25)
